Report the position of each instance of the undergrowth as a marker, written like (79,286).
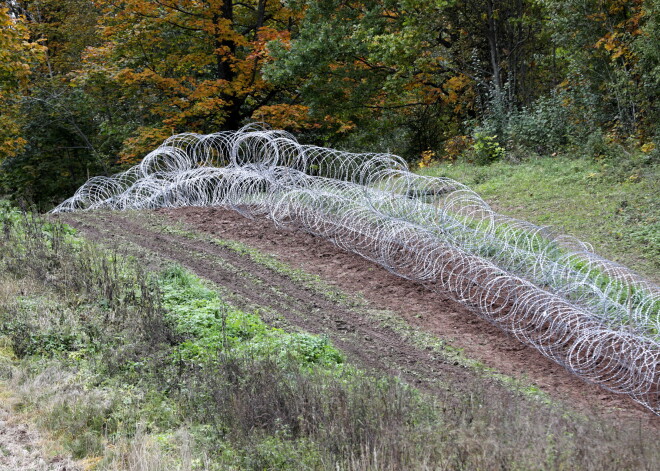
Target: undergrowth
(136,370)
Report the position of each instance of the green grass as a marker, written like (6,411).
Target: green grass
(209,324)
(618,215)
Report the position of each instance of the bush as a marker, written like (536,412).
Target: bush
(486,149)
(550,124)
(543,128)
(455,146)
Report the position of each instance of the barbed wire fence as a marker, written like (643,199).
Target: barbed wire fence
(598,319)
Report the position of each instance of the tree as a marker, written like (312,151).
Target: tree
(425,67)
(18,54)
(62,126)
(646,46)
(188,65)
(595,42)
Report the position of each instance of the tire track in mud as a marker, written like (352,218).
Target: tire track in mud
(365,341)
(251,284)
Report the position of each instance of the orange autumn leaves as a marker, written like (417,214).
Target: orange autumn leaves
(193,65)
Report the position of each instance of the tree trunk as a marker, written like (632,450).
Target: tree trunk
(493,46)
(225,51)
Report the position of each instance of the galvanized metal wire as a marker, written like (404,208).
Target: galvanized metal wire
(598,319)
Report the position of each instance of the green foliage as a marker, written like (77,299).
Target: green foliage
(647,47)
(543,128)
(211,326)
(607,61)
(486,149)
(18,54)
(89,85)
(63,123)
(25,341)
(371,74)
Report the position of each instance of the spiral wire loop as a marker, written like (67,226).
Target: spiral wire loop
(598,319)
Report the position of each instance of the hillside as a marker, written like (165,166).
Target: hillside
(329,235)
(158,332)
(617,210)
(388,377)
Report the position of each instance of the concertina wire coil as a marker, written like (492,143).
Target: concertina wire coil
(595,317)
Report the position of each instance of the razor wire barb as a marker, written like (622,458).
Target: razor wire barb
(597,318)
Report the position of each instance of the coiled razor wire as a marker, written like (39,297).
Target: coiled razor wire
(597,318)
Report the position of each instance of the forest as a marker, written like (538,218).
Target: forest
(88,87)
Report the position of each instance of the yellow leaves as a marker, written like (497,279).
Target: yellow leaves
(622,20)
(11,146)
(648,147)
(391,14)
(268,33)
(145,140)
(455,146)
(196,116)
(454,85)
(11,141)
(17,53)
(189,64)
(346,127)
(615,44)
(459,92)
(618,53)
(207,88)
(265,35)
(607,41)
(427,158)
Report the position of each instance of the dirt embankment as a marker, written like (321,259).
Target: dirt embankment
(367,342)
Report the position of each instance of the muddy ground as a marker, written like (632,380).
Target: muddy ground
(368,343)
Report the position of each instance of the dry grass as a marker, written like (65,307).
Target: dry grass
(144,453)
(22,446)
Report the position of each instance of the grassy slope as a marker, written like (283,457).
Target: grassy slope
(618,214)
(87,351)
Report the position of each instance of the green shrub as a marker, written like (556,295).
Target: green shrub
(542,128)
(211,326)
(486,149)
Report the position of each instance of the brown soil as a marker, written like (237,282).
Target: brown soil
(366,342)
